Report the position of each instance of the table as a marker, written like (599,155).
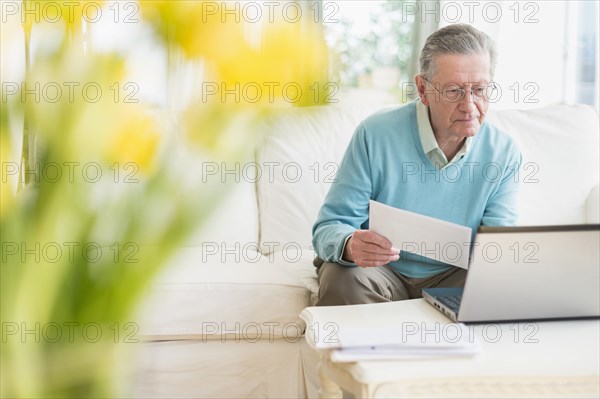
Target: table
(528,359)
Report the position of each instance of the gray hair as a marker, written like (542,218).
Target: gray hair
(455,39)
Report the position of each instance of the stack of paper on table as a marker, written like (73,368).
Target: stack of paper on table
(393,330)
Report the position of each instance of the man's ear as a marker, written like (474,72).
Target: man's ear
(420,82)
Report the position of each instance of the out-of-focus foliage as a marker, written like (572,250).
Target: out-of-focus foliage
(386,43)
(109,198)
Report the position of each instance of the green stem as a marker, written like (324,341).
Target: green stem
(28,150)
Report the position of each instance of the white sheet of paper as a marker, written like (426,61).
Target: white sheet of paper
(423,235)
(409,335)
(360,354)
(408,340)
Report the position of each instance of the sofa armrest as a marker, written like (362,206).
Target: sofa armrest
(592,205)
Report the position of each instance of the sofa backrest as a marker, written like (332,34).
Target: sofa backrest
(230,203)
(305,146)
(560,147)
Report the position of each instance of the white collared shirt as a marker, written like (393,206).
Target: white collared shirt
(430,144)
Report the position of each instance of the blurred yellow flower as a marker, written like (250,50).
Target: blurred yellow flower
(191,26)
(74,99)
(223,130)
(288,53)
(249,67)
(135,141)
(78,108)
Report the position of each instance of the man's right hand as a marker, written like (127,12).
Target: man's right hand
(366,248)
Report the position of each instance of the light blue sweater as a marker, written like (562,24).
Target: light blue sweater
(385,162)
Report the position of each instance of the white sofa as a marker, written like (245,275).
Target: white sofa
(222,320)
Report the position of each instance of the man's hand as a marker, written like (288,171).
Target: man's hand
(369,249)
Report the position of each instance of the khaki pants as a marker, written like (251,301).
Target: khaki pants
(341,285)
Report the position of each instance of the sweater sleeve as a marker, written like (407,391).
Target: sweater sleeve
(501,208)
(346,206)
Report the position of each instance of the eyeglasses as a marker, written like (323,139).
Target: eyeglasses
(456,93)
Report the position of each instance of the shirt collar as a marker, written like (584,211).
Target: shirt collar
(428,140)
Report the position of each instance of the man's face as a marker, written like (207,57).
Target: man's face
(456,119)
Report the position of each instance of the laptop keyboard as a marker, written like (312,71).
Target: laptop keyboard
(452,302)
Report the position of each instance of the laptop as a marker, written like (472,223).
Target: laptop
(527,273)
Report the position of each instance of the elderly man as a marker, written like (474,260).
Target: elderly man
(441,132)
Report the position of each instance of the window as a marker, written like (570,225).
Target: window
(371,42)
(581,79)
(548,50)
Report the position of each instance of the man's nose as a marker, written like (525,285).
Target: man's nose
(468,101)
(469,96)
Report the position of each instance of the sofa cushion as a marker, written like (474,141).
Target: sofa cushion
(216,291)
(194,369)
(560,146)
(235,219)
(593,205)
